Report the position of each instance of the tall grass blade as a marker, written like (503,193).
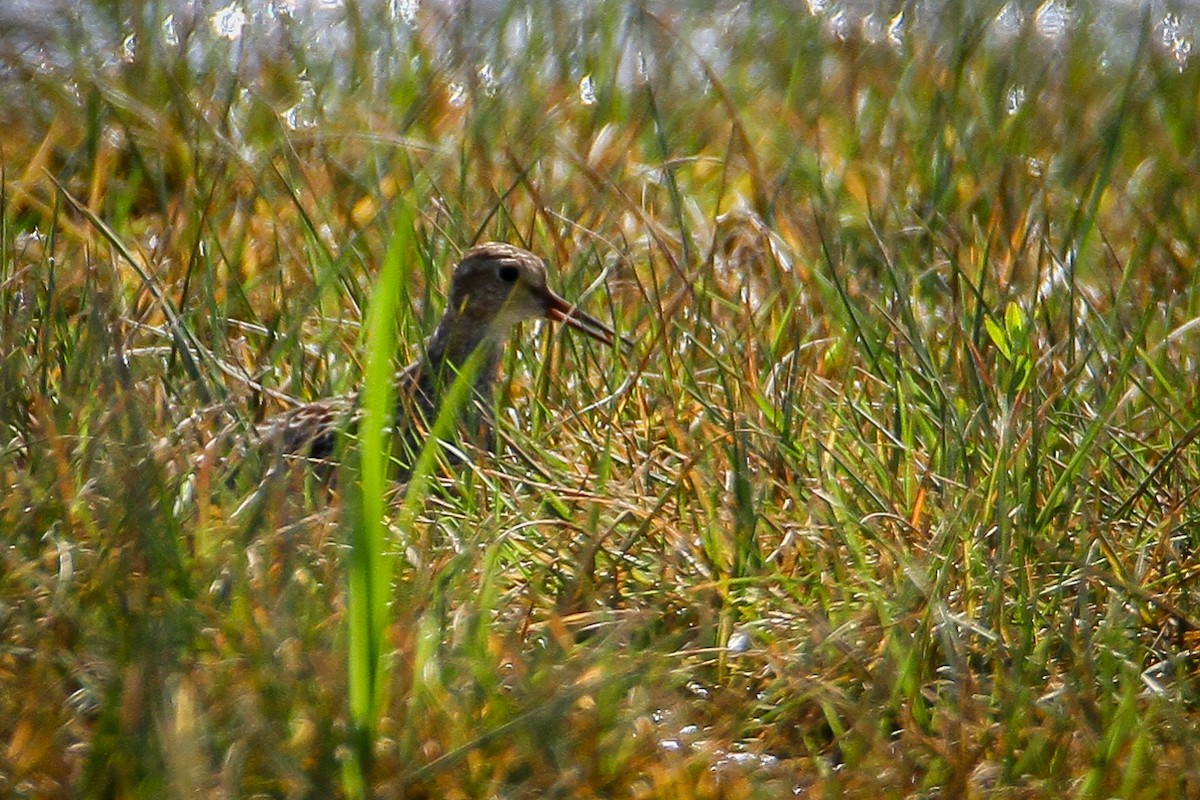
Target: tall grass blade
(370,567)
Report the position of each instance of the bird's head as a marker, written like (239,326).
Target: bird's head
(498,285)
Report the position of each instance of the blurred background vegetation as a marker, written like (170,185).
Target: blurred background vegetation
(898,494)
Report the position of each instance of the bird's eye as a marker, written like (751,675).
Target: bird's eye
(509,273)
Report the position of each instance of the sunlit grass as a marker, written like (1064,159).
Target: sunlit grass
(896,493)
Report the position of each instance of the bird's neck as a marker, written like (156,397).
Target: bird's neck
(458,338)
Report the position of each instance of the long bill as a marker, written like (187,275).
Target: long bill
(560,310)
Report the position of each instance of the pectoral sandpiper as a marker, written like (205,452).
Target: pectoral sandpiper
(493,287)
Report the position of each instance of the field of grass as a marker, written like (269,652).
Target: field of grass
(897,495)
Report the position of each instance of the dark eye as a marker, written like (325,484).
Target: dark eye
(508,273)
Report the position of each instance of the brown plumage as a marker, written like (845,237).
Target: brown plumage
(493,287)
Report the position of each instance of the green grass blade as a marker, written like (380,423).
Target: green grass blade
(370,569)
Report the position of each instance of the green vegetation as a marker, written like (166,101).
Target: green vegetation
(897,496)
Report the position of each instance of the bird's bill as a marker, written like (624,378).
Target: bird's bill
(560,310)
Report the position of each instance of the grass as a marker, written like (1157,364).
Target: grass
(896,496)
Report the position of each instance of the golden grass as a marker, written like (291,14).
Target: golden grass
(896,495)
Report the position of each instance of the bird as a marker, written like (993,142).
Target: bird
(493,287)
